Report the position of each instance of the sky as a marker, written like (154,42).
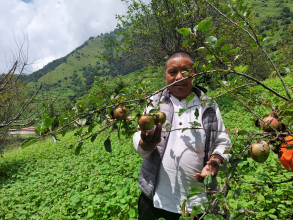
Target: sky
(46,30)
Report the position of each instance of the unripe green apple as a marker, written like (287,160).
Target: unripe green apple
(259,151)
(146,122)
(161,117)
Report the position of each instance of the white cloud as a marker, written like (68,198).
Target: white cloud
(52,28)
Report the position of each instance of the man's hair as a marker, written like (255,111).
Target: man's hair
(179,54)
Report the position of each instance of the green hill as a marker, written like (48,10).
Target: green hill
(73,75)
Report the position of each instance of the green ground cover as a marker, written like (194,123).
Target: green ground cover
(49,181)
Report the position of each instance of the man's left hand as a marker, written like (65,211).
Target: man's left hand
(212,167)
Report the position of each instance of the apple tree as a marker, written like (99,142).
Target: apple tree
(231,62)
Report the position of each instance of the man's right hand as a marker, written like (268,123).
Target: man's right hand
(150,138)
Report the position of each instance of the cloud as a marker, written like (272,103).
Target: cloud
(53,28)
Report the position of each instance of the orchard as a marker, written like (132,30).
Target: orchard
(258,115)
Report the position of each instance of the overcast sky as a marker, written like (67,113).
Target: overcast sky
(51,29)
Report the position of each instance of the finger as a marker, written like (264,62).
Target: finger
(157,132)
(199,177)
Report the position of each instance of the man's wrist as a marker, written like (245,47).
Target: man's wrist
(217,158)
(147,146)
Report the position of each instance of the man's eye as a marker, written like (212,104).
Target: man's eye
(186,71)
(172,72)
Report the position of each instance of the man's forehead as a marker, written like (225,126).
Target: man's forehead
(179,61)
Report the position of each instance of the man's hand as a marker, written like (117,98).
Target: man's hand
(150,138)
(212,167)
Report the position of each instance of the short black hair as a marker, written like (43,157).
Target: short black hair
(179,54)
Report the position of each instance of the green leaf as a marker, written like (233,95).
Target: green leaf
(78,148)
(93,138)
(210,217)
(234,51)
(212,40)
(196,210)
(196,113)
(181,111)
(260,197)
(184,31)
(225,47)
(131,213)
(221,40)
(184,129)
(220,197)
(48,122)
(205,24)
(194,191)
(289,147)
(154,111)
(195,124)
(28,143)
(189,98)
(208,179)
(107,145)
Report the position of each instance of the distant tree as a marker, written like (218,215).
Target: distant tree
(15,101)
(150,32)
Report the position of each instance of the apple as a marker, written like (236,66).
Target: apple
(120,113)
(259,151)
(161,117)
(271,121)
(146,122)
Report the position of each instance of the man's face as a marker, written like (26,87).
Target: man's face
(177,68)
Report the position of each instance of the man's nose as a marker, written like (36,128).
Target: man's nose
(179,75)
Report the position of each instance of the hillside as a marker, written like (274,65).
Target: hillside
(72,76)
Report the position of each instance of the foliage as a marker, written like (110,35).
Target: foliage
(47,180)
(15,103)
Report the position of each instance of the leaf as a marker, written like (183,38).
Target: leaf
(194,191)
(189,98)
(184,129)
(289,147)
(195,124)
(48,122)
(221,40)
(154,111)
(91,127)
(131,213)
(205,24)
(184,31)
(210,217)
(225,47)
(107,145)
(196,210)
(28,143)
(181,111)
(212,40)
(196,113)
(220,197)
(78,148)
(93,138)
(208,179)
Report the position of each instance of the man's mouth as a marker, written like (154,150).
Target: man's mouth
(179,84)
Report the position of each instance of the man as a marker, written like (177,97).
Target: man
(174,161)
